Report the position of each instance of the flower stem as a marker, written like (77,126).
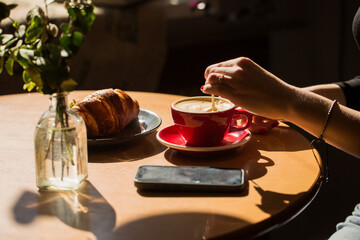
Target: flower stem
(61,127)
(61,112)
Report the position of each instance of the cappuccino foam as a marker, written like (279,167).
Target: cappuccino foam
(203,105)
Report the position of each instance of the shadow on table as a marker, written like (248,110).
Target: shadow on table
(281,138)
(127,151)
(85,209)
(273,201)
(253,162)
(248,158)
(180,226)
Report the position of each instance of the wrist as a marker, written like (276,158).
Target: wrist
(309,111)
(290,103)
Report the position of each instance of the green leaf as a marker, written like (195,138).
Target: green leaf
(53,29)
(19,43)
(40,61)
(68,85)
(26,77)
(16,24)
(42,41)
(27,54)
(17,46)
(72,103)
(22,61)
(53,51)
(42,14)
(72,13)
(29,16)
(4,38)
(29,86)
(28,83)
(9,65)
(36,12)
(78,39)
(1,64)
(39,49)
(20,31)
(65,41)
(33,75)
(64,27)
(82,15)
(11,42)
(35,30)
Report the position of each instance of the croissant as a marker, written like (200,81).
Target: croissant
(107,112)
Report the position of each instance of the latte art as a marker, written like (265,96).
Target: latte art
(203,105)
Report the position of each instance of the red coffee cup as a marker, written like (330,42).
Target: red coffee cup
(205,129)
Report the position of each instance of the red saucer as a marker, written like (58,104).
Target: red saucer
(170,137)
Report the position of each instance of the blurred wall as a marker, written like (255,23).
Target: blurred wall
(165,45)
(303,42)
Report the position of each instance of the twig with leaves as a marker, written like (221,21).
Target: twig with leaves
(43,50)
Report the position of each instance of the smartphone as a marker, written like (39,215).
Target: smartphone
(189,178)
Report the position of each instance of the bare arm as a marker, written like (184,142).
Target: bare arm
(248,85)
(343,129)
(331,91)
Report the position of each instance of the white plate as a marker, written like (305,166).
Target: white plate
(146,123)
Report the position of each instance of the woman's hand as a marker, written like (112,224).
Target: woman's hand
(248,85)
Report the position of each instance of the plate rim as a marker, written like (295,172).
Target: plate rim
(202,149)
(146,132)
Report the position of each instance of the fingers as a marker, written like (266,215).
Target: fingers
(219,84)
(223,67)
(219,67)
(216,89)
(262,125)
(218,71)
(217,78)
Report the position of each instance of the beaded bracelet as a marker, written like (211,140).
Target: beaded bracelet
(327,118)
(320,145)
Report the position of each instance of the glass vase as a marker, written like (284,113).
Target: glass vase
(60,147)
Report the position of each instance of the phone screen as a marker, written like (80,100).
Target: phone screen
(189,178)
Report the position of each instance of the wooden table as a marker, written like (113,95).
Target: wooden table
(283,177)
